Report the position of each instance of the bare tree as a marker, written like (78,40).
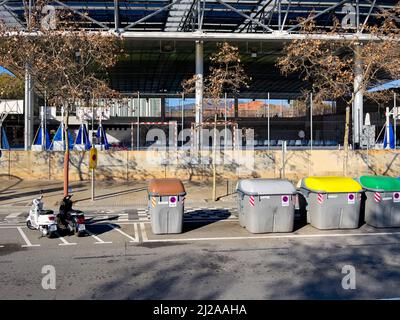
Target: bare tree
(339,69)
(68,63)
(226,75)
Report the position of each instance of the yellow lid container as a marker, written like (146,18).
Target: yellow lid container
(331,184)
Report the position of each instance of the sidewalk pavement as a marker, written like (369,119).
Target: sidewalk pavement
(18,194)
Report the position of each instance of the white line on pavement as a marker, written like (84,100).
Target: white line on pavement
(13,215)
(99,241)
(144,234)
(1,246)
(275,237)
(9,226)
(125,234)
(65,242)
(135,228)
(28,243)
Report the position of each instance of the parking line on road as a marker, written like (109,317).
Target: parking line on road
(13,215)
(99,241)
(13,225)
(28,243)
(65,242)
(136,230)
(144,234)
(274,237)
(1,246)
(125,234)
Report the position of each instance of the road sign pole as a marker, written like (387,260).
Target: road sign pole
(394,120)
(93,166)
(92,184)
(368,156)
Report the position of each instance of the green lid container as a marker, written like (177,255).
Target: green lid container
(380,183)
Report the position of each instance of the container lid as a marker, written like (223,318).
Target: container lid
(166,187)
(331,184)
(265,186)
(380,183)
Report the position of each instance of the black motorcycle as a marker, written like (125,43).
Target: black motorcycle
(71,220)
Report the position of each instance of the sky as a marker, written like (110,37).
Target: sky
(385,86)
(4,70)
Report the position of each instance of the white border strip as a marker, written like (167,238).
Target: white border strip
(99,241)
(28,243)
(337,235)
(125,234)
(135,228)
(65,242)
(13,215)
(144,233)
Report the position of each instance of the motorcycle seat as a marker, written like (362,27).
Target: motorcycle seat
(46,212)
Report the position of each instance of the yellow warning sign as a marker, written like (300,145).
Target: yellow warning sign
(153,202)
(93,158)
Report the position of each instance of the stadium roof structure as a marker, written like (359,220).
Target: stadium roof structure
(210,16)
(160,34)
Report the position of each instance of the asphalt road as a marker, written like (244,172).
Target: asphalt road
(210,260)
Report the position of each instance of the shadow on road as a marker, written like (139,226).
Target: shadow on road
(210,216)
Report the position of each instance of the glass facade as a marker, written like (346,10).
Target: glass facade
(129,107)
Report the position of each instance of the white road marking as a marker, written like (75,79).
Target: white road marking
(65,242)
(398,298)
(136,230)
(211,219)
(125,234)
(13,215)
(99,241)
(275,237)
(1,246)
(144,234)
(28,243)
(9,226)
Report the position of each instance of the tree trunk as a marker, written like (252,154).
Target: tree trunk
(66,154)
(346,140)
(214,167)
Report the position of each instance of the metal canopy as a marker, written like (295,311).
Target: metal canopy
(159,35)
(149,67)
(212,16)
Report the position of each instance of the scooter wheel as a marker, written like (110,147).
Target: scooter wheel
(80,233)
(29,225)
(50,235)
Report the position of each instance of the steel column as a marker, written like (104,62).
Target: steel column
(199,82)
(28,112)
(358,97)
(116,15)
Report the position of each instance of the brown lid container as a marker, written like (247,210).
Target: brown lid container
(166,187)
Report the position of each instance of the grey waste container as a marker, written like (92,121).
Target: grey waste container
(332,202)
(266,205)
(382,203)
(166,205)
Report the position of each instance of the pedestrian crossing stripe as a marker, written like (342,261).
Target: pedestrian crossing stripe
(153,202)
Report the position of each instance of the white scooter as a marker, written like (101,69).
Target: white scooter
(42,220)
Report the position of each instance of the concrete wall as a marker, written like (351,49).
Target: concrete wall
(142,165)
